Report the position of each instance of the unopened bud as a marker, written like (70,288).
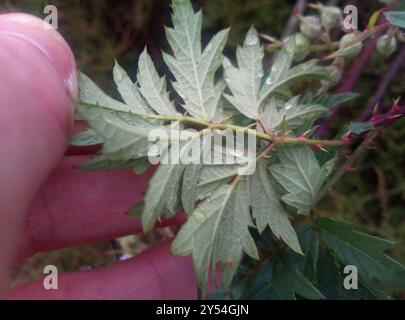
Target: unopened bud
(310,26)
(331,16)
(386,45)
(350,46)
(302,47)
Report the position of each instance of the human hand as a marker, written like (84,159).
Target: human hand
(39,212)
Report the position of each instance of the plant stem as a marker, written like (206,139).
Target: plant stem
(260,135)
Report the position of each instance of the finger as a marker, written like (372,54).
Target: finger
(76,206)
(154,274)
(37,72)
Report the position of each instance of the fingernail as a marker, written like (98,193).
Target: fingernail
(38,33)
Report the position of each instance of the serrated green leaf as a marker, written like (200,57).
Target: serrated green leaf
(330,282)
(375,269)
(359,127)
(300,175)
(152,87)
(194,70)
(86,138)
(396,18)
(305,71)
(244,81)
(125,135)
(101,162)
(162,196)
(90,93)
(281,65)
(329,101)
(258,287)
(288,282)
(267,210)
(217,231)
(214,176)
(306,263)
(129,91)
(293,112)
(189,193)
(329,278)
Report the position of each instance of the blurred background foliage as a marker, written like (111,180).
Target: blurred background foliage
(373,194)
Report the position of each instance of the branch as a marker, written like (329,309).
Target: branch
(387,119)
(383,86)
(353,76)
(293,21)
(260,135)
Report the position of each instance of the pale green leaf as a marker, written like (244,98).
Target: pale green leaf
(267,210)
(90,93)
(129,91)
(162,195)
(244,81)
(193,69)
(300,175)
(125,135)
(305,71)
(292,111)
(217,231)
(86,138)
(189,193)
(152,87)
(101,162)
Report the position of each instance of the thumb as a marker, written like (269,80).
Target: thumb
(37,79)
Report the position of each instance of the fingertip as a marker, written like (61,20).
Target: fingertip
(47,40)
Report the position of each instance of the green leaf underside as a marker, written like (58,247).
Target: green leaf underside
(366,252)
(267,210)
(194,69)
(86,138)
(300,175)
(245,81)
(217,231)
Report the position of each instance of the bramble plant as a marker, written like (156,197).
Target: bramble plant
(231,213)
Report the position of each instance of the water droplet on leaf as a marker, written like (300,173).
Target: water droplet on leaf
(200,217)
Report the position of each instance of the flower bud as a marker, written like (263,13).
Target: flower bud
(310,26)
(350,46)
(302,47)
(386,45)
(331,16)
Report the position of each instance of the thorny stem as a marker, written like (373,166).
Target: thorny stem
(260,135)
(383,86)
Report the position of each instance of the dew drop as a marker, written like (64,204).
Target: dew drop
(226,63)
(269,81)
(288,106)
(201,218)
(252,40)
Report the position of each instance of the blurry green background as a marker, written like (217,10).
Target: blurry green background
(100,31)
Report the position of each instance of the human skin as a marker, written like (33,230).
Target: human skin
(45,202)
